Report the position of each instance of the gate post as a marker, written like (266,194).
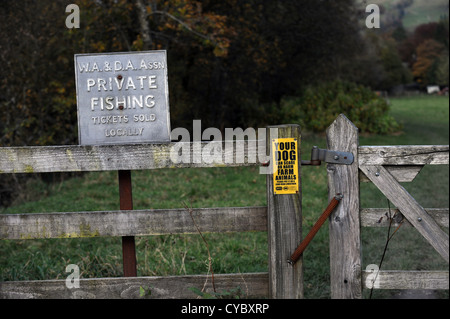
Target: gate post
(284,218)
(344,223)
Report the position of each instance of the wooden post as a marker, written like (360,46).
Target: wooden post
(128,243)
(344,223)
(284,219)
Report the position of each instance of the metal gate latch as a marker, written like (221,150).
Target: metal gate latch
(333,157)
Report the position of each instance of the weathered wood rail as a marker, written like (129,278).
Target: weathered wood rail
(253,285)
(385,166)
(77,158)
(131,223)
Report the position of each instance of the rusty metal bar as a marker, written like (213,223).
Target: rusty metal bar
(128,243)
(301,248)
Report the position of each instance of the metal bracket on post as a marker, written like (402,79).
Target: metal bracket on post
(333,157)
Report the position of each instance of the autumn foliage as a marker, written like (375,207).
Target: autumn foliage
(231,63)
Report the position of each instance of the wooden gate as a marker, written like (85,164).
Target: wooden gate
(385,167)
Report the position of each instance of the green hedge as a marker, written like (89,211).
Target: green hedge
(319,106)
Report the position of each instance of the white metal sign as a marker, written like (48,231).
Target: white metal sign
(122,98)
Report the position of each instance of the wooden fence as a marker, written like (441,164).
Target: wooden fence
(281,218)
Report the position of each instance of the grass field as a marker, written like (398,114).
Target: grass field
(425,120)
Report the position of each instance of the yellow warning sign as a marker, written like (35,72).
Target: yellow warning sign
(285,166)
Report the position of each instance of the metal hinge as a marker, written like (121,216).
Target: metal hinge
(333,157)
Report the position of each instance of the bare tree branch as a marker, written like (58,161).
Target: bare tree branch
(145,29)
(185,25)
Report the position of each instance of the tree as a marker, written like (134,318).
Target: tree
(442,76)
(175,19)
(437,31)
(425,67)
(37,104)
(231,61)
(280,47)
(379,65)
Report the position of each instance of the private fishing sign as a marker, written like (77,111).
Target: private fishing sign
(122,98)
(285,167)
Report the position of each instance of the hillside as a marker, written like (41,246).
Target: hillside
(412,12)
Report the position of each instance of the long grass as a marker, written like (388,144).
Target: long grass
(425,121)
